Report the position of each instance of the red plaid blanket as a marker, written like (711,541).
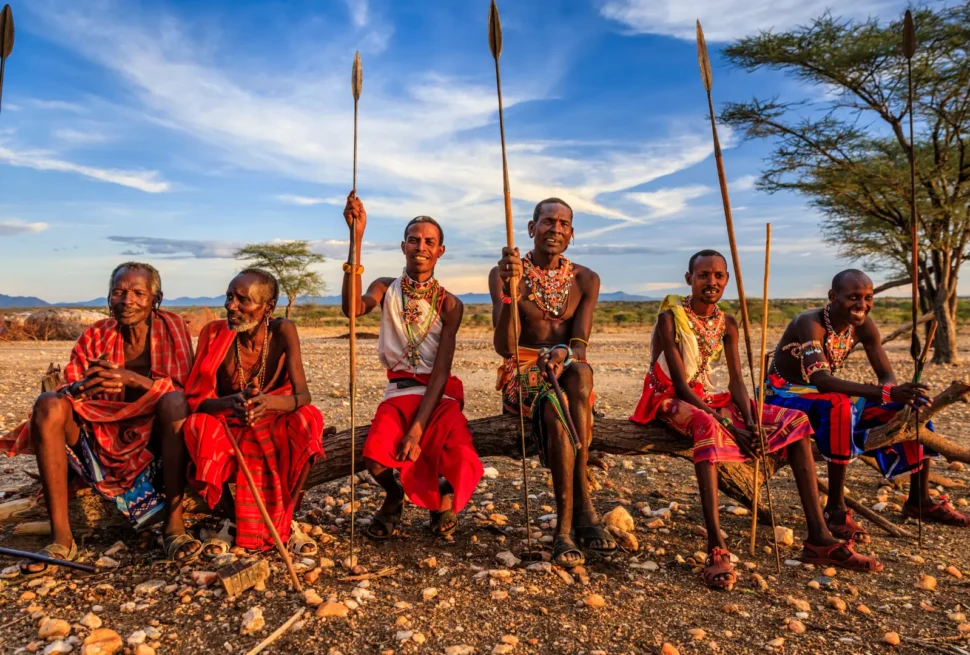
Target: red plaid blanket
(120,431)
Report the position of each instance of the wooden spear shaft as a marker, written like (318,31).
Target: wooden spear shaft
(495,45)
(6,42)
(356,83)
(280,546)
(707,78)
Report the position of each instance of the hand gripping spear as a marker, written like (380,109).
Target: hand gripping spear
(495,45)
(909,49)
(707,78)
(356,83)
(6,42)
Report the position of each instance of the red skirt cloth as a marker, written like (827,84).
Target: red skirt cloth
(447,450)
(275,449)
(712,442)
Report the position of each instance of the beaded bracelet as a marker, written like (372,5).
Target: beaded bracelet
(349,268)
(506,300)
(582,341)
(887,393)
(725,421)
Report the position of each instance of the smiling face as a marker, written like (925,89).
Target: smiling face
(708,279)
(552,229)
(131,298)
(422,247)
(852,299)
(248,302)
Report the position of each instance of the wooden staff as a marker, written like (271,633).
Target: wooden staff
(708,79)
(6,42)
(356,83)
(44,559)
(909,49)
(761,406)
(280,546)
(495,45)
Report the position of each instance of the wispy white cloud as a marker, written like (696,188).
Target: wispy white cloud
(724,20)
(743,183)
(667,202)
(147,181)
(358,12)
(81,138)
(14,226)
(306,201)
(53,105)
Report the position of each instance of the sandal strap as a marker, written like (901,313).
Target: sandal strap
(58,551)
(174,543)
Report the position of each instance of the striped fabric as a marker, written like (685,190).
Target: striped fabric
(120,431)
(275,449)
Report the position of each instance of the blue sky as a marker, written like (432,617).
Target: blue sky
(174,131)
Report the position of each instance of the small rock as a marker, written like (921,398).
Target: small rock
(620,518)
(53,628)
(418,638)
(697,633)
(91,621)
(430,563)
(776,643)
(333,609)
(252,621)
(403,635)
(137,637)
(59,647)
(490,472)
(506,558)
(144,649)
(594,601)
(926,582)
(799,604)
(116,548)
(429,593)
(837,603)
(204,578)
(312,598)
(863,609)
(149,588)
(957,617)
(102,641)
(784,536)
(499,594)
(105,562)
(879,507)
(459,650)
(891,638)
(797,627)
(954,571)
(669,649)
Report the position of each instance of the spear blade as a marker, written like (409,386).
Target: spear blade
(494,31)
(703,59)
(909,35)
(6,32)
(356,77)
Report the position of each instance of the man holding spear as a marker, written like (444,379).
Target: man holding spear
(691,334)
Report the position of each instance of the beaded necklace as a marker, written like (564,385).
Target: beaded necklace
(412,293)
(263,356)
(838,345)
(549,290)
(709,331)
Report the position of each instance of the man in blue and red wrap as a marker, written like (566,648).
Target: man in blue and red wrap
(804,376)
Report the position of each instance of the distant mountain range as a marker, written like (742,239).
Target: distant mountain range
(217,301)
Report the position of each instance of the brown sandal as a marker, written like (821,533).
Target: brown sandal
(718,570)
(942,512)
(849,530)
(822,556)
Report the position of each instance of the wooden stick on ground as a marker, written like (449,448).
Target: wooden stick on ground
(280,546)
(277,633)
(869,515)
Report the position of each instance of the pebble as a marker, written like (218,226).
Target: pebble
(403,635)
(252,621)
(926,582)
(430,563)
(105,562)
(102,641)
(149,588)
(53,628)
(619,518)
(957,617)
(776,643)
(498,594)
(863,609)
(326,563)
(91,621)
(429,593)
(312,598)
(137,637)
(462,649)
(837,603)
(204,578)
(784,536)
(697,633)
(814,584)
(144,649)
(669,649)
(830,572)
(506,558)
(594,601)
(333,609)
(502,649)
(58,647)
(799,604)
(540,567)
(490,472)
(891,638)
(954,571)
(797,627)
(418,638)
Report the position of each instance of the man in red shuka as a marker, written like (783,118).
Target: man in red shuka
(419,427)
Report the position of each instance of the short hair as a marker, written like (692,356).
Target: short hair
(841,276)
(425,219)
(550,201)
(703,253)
(154,279)
(266,279)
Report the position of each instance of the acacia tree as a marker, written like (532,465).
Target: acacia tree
(290,262)
(846,148)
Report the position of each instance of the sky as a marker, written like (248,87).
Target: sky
(175,131)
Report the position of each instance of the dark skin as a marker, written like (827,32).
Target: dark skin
(708,280)
(851,304)
(53,424)
(551,233)
(422,247)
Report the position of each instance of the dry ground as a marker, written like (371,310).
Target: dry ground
(643,608)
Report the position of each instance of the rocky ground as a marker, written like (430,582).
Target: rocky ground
(464,595)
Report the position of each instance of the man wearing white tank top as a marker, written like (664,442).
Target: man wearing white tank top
(419,427)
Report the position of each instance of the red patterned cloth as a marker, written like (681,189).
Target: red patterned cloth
(712,441)
(120,430)
(447,450)
(275,449)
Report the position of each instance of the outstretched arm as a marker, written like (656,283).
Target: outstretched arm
(451,314)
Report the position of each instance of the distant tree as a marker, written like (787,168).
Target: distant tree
(623,317)
(290,262)
(846,146)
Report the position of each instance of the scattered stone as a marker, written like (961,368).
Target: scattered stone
(619,518)
(926,582)
(891,638)
(312,598)
(59,647)
(490,472)
(105,562)
(954,571)
(403,635)
(957,617)
(669,649)
(91,621)
(863,609)
(796,626)
(333,609)
(137,637)
(430,563)
(144,649)
(150,587)
(697,633)
(594,601)
(784,536)
(506,558)
(460,650)
(252,621)
(102,641)
(837,603)
(499,594)
(53,628)
(429,593)
(776,643)
(204,578)
(418,638)
(879,507)
(799,604)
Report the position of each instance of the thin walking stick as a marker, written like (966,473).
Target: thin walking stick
(356,83)
(708,80)
(6,42)
(495,45)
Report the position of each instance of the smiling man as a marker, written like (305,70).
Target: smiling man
(804,376)
(419,428)
(692,333)
(117,411)
(249,380)
(556,299)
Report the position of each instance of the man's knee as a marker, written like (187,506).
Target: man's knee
(578,381)
(373,467)
(51,408)
(172,407)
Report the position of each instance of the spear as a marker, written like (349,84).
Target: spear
(495,45)
(705,64)
(909,49)
(356,83)
(6,42)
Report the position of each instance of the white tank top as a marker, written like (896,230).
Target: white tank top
(392,344)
